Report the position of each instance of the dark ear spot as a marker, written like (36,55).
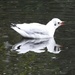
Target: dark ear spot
(55,24)
(58,22)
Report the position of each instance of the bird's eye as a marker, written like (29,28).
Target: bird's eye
(58,22)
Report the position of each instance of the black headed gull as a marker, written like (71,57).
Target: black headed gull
(37,30)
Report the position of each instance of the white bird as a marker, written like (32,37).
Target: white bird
(37,30)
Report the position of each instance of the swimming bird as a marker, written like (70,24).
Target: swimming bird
(37,30)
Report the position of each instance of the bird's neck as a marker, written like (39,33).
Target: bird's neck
(50,28)
(50,23)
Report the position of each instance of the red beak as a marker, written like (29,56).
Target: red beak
(62,23)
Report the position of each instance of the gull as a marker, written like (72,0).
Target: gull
(37,30)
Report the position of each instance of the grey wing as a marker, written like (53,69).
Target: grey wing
(36,31)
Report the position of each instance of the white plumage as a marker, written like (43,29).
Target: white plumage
(37,30)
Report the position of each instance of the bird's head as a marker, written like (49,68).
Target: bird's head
(57,22)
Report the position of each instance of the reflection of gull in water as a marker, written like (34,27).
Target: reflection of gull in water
(52,47)
(37,45)
(30,45)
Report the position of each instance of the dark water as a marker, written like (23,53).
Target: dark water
(54,56)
